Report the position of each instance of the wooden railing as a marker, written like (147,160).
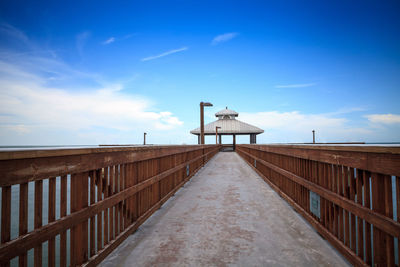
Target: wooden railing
(74,206)
(354,191)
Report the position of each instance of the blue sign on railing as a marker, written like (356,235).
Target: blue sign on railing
(315,206)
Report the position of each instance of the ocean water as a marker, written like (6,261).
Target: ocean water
(45,209)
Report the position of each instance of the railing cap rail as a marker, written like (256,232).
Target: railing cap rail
(352,148)
(57,152)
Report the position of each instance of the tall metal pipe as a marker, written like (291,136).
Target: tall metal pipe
(313,136)
(202,105)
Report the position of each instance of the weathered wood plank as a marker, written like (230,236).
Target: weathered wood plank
(51,218)
(106,190)
(100,213)
(374,159)
(360,223)
(63,213)
(378,205)
(38,220)
(367,204)
(16,171)
(23,218)
(389,241)
(79,232)
(92,219)
(5,217)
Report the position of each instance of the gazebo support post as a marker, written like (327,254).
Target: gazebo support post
(253,138)
(220,139)
(234,142)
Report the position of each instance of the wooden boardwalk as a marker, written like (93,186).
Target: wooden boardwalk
(226,215)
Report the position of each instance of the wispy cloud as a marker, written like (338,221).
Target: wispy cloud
(170,52)
(384,118)
(81,41)
(224,37)
(109,41)
(12,32)
(298,85)
(113,39)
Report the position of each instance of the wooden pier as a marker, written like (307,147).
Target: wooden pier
(95,198)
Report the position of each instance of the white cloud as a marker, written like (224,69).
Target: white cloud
(384,118)
(295,126)
(19,129)
(109,41)
(165,54)
(31,107)
(224,37)
(300,85)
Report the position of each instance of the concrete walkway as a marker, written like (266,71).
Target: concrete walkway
(226,215)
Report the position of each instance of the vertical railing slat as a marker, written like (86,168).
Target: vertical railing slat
(23,218)
(92,219)
(352,217)
(389,241)
(79,232)
(52,218)
(38,219)
(347,232)
(341,223)
(106,191)
(398,213)
(120,188)
(100,214)
(5,215)
(112,209)
(360,224)
(63,213)
(378,205)
(367,203)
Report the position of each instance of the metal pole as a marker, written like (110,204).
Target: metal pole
(216,134)
(313,136)
(144,138)
(201,123)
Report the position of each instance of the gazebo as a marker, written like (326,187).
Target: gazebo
(229,125)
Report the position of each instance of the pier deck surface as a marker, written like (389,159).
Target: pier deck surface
(226,215)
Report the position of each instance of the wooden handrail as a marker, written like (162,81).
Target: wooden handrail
(353,190)
(385,160)
(121,187)
(23,167)
(384,223)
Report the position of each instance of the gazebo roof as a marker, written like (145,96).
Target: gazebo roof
(229,125)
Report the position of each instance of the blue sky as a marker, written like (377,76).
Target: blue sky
(91,72)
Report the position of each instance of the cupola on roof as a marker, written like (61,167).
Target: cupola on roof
(226,112)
